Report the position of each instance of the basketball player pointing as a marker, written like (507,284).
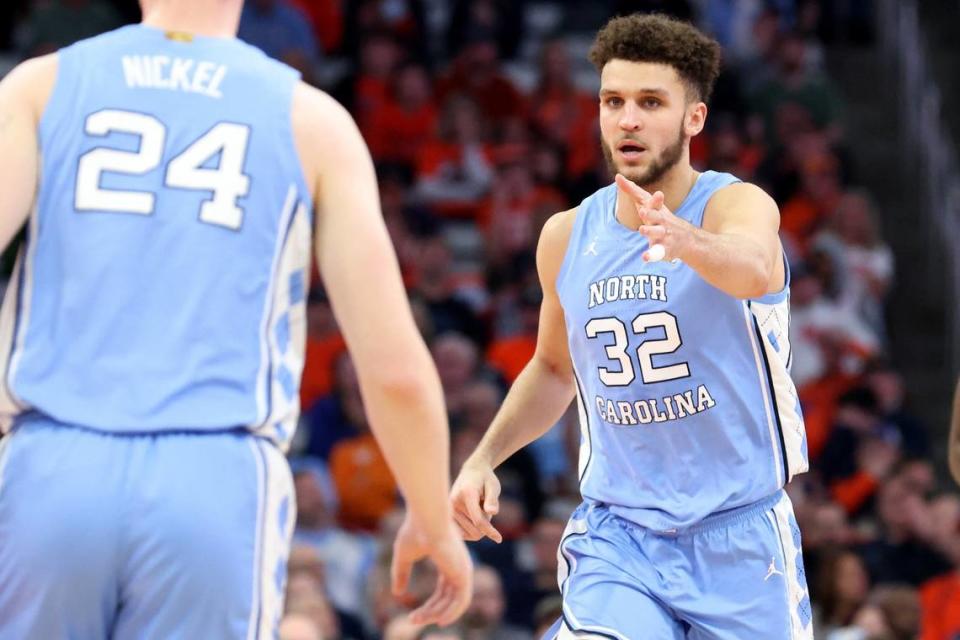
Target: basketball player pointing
(690,423)
(152,336)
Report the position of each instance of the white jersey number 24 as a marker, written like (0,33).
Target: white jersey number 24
(226,181)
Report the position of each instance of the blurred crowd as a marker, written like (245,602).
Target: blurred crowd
(481,116)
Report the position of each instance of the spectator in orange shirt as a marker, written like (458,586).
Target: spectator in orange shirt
(368,90)
(397,131)
(819,195)
(454,172)
(562,113)
(364,482)
(324,346)
(476,74)
(510,353)
(940,597)
(516,204)
(327,20)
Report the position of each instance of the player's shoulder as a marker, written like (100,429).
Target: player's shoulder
(554,239)
(319,121)
(740,193)
(30,83)
(559,226)
(317,108)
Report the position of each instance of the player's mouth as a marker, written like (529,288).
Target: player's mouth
(630,150)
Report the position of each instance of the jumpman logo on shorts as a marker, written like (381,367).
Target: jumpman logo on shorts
(772,570)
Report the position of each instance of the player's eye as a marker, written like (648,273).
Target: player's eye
(614,102)
(651,103)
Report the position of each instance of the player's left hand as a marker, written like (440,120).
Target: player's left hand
(448,553)
(657,222)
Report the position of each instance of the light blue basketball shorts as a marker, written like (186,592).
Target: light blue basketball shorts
(147,537)
(735,576)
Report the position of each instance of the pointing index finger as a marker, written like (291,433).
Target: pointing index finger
(632,189)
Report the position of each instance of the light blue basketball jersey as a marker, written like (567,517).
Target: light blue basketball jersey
(685,401)
(162,282)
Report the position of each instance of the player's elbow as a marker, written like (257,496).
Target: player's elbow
(753,282)
(408,378)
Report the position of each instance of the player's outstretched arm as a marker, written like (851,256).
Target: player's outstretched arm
(737,249)
(23,96)
(537,399)
(398,381)
(953,447)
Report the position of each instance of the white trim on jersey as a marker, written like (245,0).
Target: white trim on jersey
(781,517)
(4,456)
(567,564)
(273,538)
(294,256)
(9,406)
(765,393)
(258,543)
(262,371)
(566,633)
(16,318)
(586,443)
(772,319)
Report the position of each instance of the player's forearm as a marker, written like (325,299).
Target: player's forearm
(732,263)
(537,399)
(407,415)
(953,447)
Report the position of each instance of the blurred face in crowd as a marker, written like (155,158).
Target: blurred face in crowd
(855,220)
(456,359)
(646,119)
(555,64)
(546,537)
(486,608)
(413,86)
(312,508)
(852,583)
(378,56)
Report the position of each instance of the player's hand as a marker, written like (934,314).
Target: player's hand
(454,589)
(475,499)
(657,222)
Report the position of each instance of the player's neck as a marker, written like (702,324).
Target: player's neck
(676,184)
(221,21)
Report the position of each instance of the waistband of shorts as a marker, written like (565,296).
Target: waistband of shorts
(724,518)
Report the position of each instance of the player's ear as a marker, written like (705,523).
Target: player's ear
(696,118)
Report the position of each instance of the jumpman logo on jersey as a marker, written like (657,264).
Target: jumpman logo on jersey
(772,570)
(592,249)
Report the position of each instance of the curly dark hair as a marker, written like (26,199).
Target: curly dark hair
(655,37)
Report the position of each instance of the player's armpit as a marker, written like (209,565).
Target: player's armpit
(23,95)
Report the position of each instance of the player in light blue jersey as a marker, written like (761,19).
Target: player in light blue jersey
(152,336)
(665,315)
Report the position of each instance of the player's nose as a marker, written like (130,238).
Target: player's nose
(631,117)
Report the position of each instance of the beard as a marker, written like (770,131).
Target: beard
(658,167)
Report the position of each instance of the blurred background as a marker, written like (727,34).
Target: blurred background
(482,118)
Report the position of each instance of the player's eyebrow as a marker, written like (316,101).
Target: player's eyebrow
(642,90)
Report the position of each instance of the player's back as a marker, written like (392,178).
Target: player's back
(161,284)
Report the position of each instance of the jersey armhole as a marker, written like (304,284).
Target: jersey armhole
(568,250)
(303,183)
(57,97)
